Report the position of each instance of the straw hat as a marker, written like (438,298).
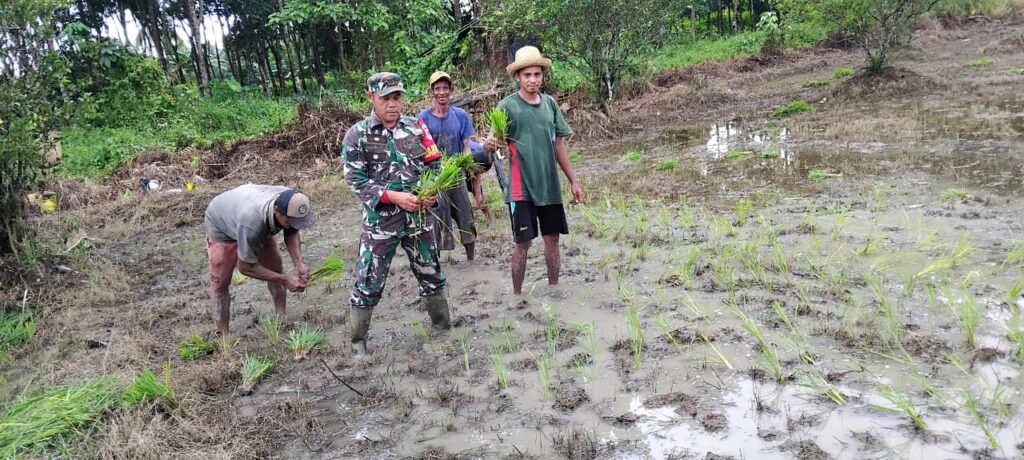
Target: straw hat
(527,56)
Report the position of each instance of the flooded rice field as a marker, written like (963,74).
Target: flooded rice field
(780,300)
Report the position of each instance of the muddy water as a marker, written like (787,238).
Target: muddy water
(859,249)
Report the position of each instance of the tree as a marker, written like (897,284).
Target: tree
(609,37)
(198,50)
(877,26)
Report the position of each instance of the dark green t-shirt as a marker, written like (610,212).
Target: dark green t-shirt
(531,133)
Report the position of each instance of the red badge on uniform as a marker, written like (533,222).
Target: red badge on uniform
(433,152)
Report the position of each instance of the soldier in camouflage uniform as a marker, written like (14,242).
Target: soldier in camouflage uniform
(384,156)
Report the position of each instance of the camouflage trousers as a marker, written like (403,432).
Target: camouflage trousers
(375,254)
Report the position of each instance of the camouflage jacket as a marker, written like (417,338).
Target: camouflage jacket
(378,159)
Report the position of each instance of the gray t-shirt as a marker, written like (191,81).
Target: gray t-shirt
(244,215)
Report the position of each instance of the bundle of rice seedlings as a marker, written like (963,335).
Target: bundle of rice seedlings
(147,388)
(498,119)
(303,340)
(333,269)
(195,347)
(31,425)
(451,174)
(253,370)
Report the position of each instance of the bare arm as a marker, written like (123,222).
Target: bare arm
(293,242)
(562,156)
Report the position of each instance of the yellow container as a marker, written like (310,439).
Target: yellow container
(189,186)
(49,205)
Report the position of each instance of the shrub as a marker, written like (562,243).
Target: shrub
(842,72)
(792,108)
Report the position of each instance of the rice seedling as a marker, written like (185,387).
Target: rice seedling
(587,338)
(552,333)
(636,334)
(819,175)
(1014,328)
(622,205)
(874,242)
(498,364)
(744,208)
(546,368)
(903,405)
(779,260)
(666,330)
(667,165)
(498,121)
(253,370)
(685,218)
(927,387)
(962,250)
(721,227)
(718,354)
(304,340)
(883,263)
(421,332)
(462,338)
(333,269)
(937,265)
(813,380)
(929,242)
(697,310)
(771,152)
(227,346)
(723,275)
(840,220)
(972,406)
(451,173)
(1015,256)
(505,335)
(1013,293)
(146,387)
(969,317)
(768,351)
(958,363)
(781,314)
(33,425)
(270,326)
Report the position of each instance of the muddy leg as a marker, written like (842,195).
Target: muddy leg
(223,257)
(270,258)
(519,266)
(552,258)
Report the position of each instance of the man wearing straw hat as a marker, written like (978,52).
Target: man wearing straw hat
(241,225)
(536,143)
(383,157)
(451,128)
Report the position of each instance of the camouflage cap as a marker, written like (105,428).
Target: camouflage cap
(384,83)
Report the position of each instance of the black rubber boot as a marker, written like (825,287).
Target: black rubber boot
(360,326)
(437,308)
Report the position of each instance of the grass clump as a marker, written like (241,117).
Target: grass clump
(818,175)
(632,156)
(954,194)
(793,108)
(842,72)
(977,64)
(816,84)
(1015,70)
(575,157)
(146,387)
(253,370)
(270,326)
(736,154)
(33,426)
(667,165)
(771,152)
(195,347)
(303,340)
(16,329)
(333,269)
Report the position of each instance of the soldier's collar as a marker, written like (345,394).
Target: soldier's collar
(375,121)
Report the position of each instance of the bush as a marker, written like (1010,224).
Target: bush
(842,72)
(667,165)
(792,108)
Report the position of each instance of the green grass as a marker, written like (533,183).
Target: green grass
(667,165)
(95,152)
(771,152)
(195,347)
(954,194)
(46,424)
(1015,70)
(842,72)
(253,370)
(736,154)
(575,157)
(977,64)
(146,387)
(816,84)
(16,329)
(632,156)
(689,53)
(303,340)
(793,108)
(818,175)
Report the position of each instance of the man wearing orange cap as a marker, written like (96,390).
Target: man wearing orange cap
(451,127)
(536,143)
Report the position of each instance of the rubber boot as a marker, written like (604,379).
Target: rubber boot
(360,326)
(437,308)
(470,251)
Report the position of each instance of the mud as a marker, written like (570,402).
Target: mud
(863,278)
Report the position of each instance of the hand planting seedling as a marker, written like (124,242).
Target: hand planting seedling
(333,269)
(303,340)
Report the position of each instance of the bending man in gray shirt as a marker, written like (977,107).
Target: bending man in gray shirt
(240,228)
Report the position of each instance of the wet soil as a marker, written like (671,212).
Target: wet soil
(862,282)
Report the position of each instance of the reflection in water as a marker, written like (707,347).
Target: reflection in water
(719,138)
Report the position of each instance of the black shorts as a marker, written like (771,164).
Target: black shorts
(525,217)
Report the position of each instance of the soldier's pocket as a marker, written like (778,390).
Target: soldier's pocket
(378,158)
(412,147)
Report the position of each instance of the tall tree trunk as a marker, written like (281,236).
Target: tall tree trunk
(314,60)
(220,62)
(341,49)
(124,27)
(721,23)
(153,25)
(264,59)
(303,72)
(292,62)
(197,46)
(693,22)
(209,66)
(174,53)
(279,70)
(263,77)
(735,16)
(753,17)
